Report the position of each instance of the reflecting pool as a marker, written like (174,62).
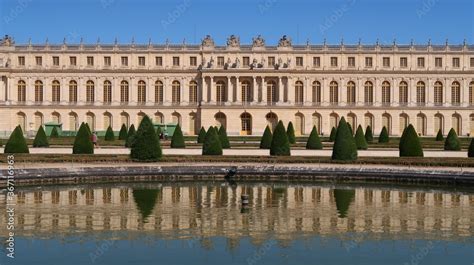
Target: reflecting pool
(206,223)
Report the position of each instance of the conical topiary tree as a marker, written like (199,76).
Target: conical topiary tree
(201,135)
(54,133)
(344,148)
(332,136)
(314,142)
(109,134)
(83,143)
(470,152)
(359,138)
(177,140)
(280,143)
(123,132)
(452,141)
(410,145)
(223,138)
(266,141)
(369,136)
(88,129)
(145,145)
(130,135)
(439,136)
(16,144)
(350,128)
(212,144)
(41,140)
(290,131)
(383,137)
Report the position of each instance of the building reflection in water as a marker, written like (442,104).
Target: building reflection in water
(205,210)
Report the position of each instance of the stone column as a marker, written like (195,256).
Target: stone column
(115,91)
(377,92)
(291,90)
(99,96)
(149,91)
(254,90)
(280,91)
(412,92)
(394,94)
(359,92)
(64,88)
(324,92)
(238,87)
(133,93)
(429,95)
(81,91)
(307,91)
(167,93)
(447,92)
(184,91)
(465,93)
(342,92)
(264,91)
(213,91)
(229,91)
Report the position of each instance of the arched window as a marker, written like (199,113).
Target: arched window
(90,120)
(246,124)
(125,119)
(38,120)
(438,123)
(107,120)
(124,96)
(421,124)
(455,93)
(159,92)
(316,93)
(317,122)
(403,93)
(352,121)
(246,92)
(193,92)
(368,93)
(420,93)
(299,97)
(272,120)
(56,91)
(404,121)
(193,123)
(140,117)
(271,93)
(107,92)
(176,92)
(21,120)
(386,95)
(333,93)
(221,119)
(299,124)
(387,122)
(369,121)
(471,93)
(73,122)
(21,91)
(333,120)
(72,91)
(90,92)
(456,123)
(351,93)
(438,93)
(176,118)
(159,118)
(141,92)
(38,91)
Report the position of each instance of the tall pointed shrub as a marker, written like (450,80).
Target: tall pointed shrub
(410,145)
(290,131)
(280,143)
(314,142)
(452,141)
(369,136)
(123,132)
(145,145)
(201,135)
(109,134)
(383,137)
(212,144)
(16,144)
(177,140)
(223,138)
(344,148)
(266,141)
(439,136)
(54,133)
(360,139)
(41,140)
(82,142)
(332,136)
(130,136)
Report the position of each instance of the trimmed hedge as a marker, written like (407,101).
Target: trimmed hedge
(212,144)
(54,133)
(369,136)
(130,136)
(452,141)
(470,152)
(41,140)
(345,148)
(280,143)
(332,136)
(83,143)
(359,138)
(123,132)
(109,134)
(16,143)
(266,141)
(223,138)
(410,145)
(177,140)
(201,135)
(383,137)
(145,145)
(314,142)
(290,131)
(439,136)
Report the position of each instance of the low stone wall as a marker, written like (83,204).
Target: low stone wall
(237,173)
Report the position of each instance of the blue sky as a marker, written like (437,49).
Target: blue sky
(192,19)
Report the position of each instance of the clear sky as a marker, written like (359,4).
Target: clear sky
(192,19)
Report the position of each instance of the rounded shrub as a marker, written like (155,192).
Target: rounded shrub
(145,145)
(82,142)
(130,136)
(123,132)
(314,142)
(332,136)
(41,140)
(54,133)
(266,140)
(452,141)
(212,144)
(369,136)
(280,144)
(470,152)
(290,131)
(410,145)
(109,134)
(383,137)
(223,138)
(439,136)
(177,140)
(201,135)
(344,148)
(361,143)
(16,144)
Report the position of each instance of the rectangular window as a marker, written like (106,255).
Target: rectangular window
(368,61)
(90,61)
(39,60)
(21,60)
(438,62)
(271,61)
(193,61)
(472,61)
(317,61)
(403,62)
(72,60)
(124,61)
(421,62)
(220,61)
(176,61)
(386,61)
(456,62)
(333,61)
(107,61)
(299,61)
(351,62)
(56,60)
(141,61)
(159,61)
(246,61)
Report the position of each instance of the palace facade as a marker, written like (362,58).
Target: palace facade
(243,87)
